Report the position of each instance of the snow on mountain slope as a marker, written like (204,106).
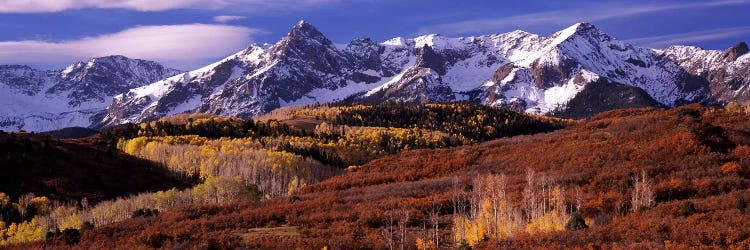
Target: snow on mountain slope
(664,80)
(303,67)
(36,100)
(146,100)
(567,60)
(550,71)
(726,71)
(517,70)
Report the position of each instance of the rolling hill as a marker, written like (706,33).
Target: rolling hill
(634,178)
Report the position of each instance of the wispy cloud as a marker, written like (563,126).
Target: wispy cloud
(690,37)
(44,6)
(590,13)
(225,19)
(181,46)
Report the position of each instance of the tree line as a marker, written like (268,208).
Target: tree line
(474,121)
(194,156)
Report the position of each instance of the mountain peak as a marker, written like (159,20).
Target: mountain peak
(396,41)
(302,26)
(114,64)
(106,61)
(578,29)
(735,52)
(519,33)
(583,26)
(98,60)
(304,30)
(111,58)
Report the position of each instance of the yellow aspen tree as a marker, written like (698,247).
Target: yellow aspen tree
(293,185)
(27,231)
(425,244)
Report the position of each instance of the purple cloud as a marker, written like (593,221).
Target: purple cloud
(45,6)
(225,19)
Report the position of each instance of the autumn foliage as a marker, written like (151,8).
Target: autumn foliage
(636,178)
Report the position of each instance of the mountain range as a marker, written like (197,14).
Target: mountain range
(43,100)
(576,72)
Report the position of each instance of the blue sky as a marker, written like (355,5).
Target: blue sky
(191,33)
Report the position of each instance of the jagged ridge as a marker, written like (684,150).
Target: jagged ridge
(516,70)
(42,100)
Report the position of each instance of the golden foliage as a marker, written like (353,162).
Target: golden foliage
(272,171)
(222,189)
(548,222)
(494,216)
(41,204)
(64,217)
(4,200)
(471,230)
(425,244)
(23,232)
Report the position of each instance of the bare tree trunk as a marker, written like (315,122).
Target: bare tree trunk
(530,195)
(643,195)
(434,215)
(388,229)
(455,200)
(403,222)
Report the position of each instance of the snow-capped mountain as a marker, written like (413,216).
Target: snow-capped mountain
(576,72)
(568,60)
(303,67)
(516,70)
(726,71)
(42,100)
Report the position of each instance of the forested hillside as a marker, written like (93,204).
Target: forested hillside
(42,178)
(259,160)
(70,133)
(70,170)
(637,178)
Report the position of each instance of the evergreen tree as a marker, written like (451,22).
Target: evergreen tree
(576,222)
